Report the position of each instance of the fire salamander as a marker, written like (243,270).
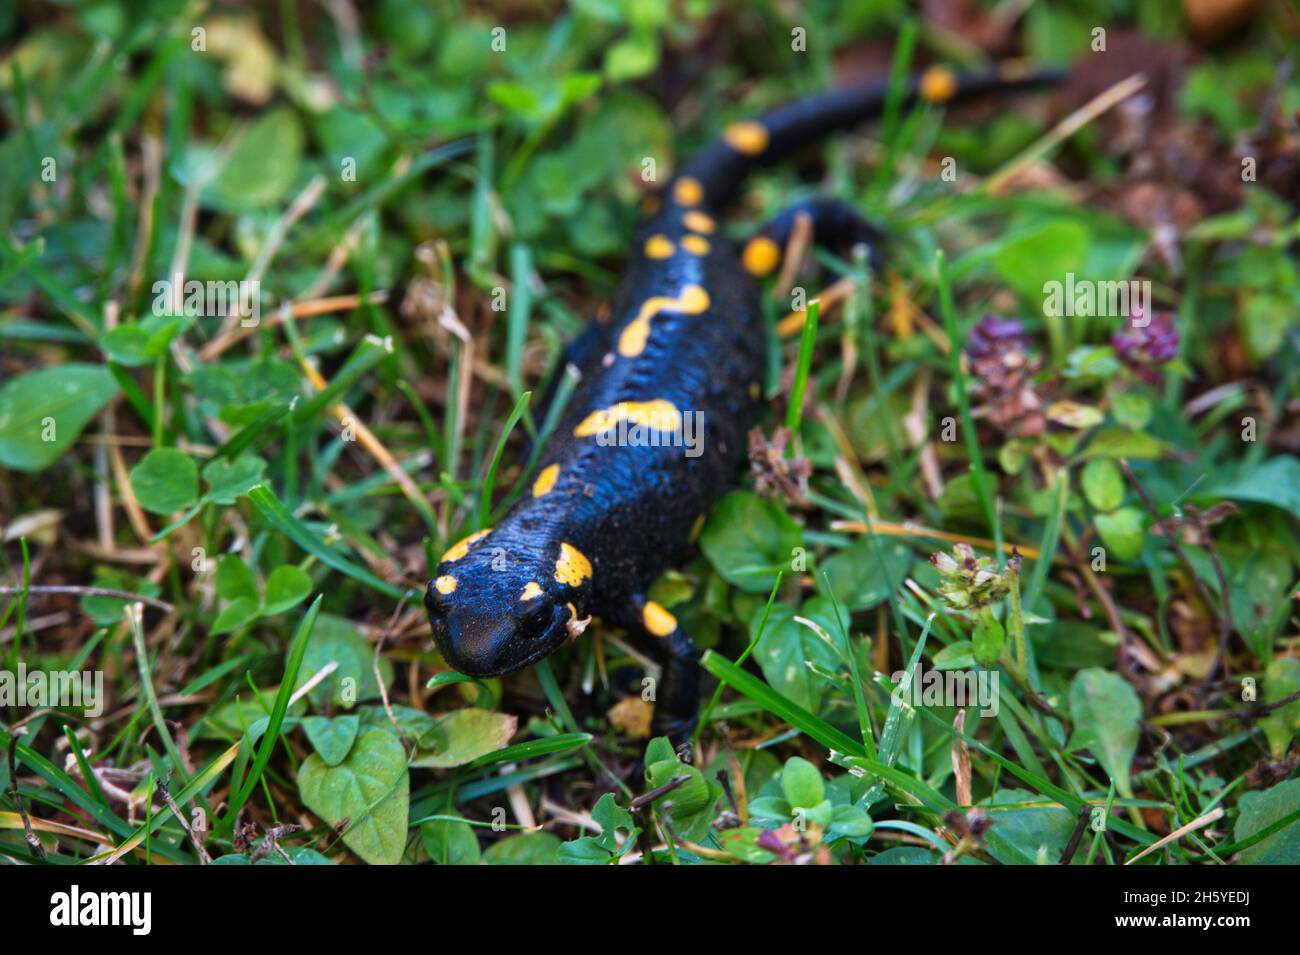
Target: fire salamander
(656,429)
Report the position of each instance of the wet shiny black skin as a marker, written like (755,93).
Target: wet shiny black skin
(630,510)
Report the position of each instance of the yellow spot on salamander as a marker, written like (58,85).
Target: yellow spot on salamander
(761,256)
(658,620)
(697,221)
(657,414)
(445,584)
(687,191)
(531,591)
(546,480)
(695,244)
(749,138)
(938,84)
(692,301)
(462,546)
(572,567)
(659,247)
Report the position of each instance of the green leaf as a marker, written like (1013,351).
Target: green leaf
(335,639)
(1106,712)
(1030,258)
(802,783)
(262,167)
(787,647)
(530,848)
(43,411)
(958,655)
(463,736)
(1027,836)
(852,823)
(692,802)
(748,540)
(450,842)
(1122,532)
(332,737)
(862,575)
(1123,443)
(1071,414)
(601,849)
(286,587)
(1131,409)
(1281,679)
(165,480)
(1258,811)
(611,817)
(140,343)
(240,612)
(370,789)
(1103,485)
(227,480)
(235,579)
(634,56)
(1275,482)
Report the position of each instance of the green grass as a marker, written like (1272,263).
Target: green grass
(431,221)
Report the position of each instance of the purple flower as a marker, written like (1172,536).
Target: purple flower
(1145,345)
(770,841)
(1002,370)
(996,334)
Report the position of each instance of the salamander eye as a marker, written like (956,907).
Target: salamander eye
(535,618)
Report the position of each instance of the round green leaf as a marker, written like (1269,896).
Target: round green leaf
(1122,532)
(749,540)
(235,580)
(802,783)
(1103,485)
(261,168)
(286,587)
(165,481)
(227,480)
(43,411)
(332,737)
(450,843)
(865,573)
(370,789)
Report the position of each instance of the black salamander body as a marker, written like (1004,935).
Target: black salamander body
(656,429)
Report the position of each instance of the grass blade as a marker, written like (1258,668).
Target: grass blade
(809,724)
(282,519)
(297,650)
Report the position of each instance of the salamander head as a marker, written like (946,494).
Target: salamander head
(493,613)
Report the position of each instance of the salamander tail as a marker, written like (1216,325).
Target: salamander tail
(714,176)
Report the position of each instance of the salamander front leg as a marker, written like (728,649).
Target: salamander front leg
(835,225)
(677,698)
